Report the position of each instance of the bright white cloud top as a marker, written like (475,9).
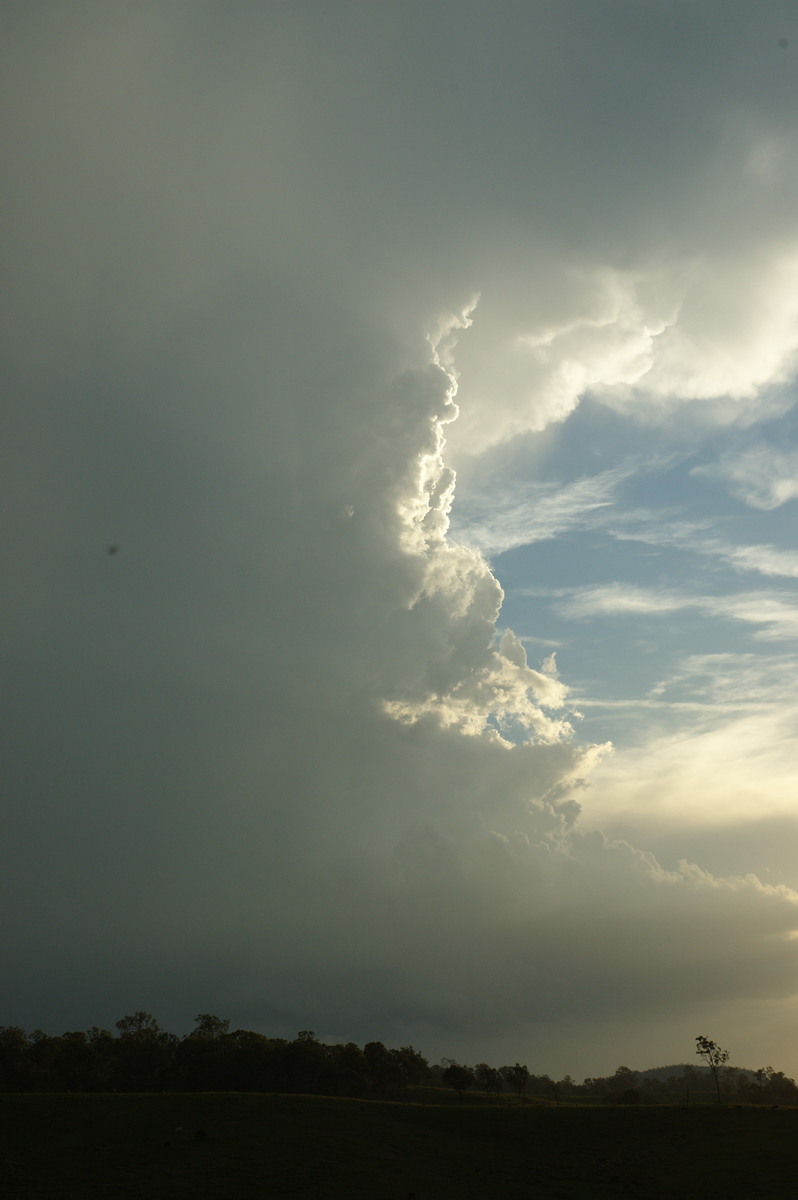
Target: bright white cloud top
(393,344)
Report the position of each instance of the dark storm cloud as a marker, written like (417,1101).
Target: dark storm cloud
(258,761)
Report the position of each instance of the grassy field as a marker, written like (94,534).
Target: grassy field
(237,1147)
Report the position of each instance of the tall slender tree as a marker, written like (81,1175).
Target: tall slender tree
(713,1056)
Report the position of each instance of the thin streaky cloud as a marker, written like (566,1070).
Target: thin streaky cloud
(687,706)
(691,536)
(615,599)
(715,686)
(756,680)
(777,617)
(498,520)
(762,476)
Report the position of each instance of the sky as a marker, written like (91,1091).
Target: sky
(400,469)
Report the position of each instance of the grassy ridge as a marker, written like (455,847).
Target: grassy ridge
(237,1147)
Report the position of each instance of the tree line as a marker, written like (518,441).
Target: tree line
(142,1057)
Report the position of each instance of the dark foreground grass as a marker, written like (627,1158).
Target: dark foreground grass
(237,1147)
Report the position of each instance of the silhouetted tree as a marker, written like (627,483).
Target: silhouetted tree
(488,1079)
(713,1056)
(767,1087)
(42,1061)
(14,1065)
(137,1022)
(301,1062)
(346,1071)
(74,1062)
(517,1079)
(207,1025)
(623,1086)
(205,1058)
(253,1063)
(144,1054)
(414,1066)
(384,1072)
(459,1078)
(102,1047)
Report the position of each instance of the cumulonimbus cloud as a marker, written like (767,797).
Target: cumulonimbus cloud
(301,772)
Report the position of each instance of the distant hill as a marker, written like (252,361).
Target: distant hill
(664,1073)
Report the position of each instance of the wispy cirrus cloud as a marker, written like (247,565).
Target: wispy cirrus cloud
(618,599)
(775,614)
(728,679)
(668,528)
(764,559)
(762,476)
(501,518)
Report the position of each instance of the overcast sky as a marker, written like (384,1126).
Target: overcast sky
(401,571)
